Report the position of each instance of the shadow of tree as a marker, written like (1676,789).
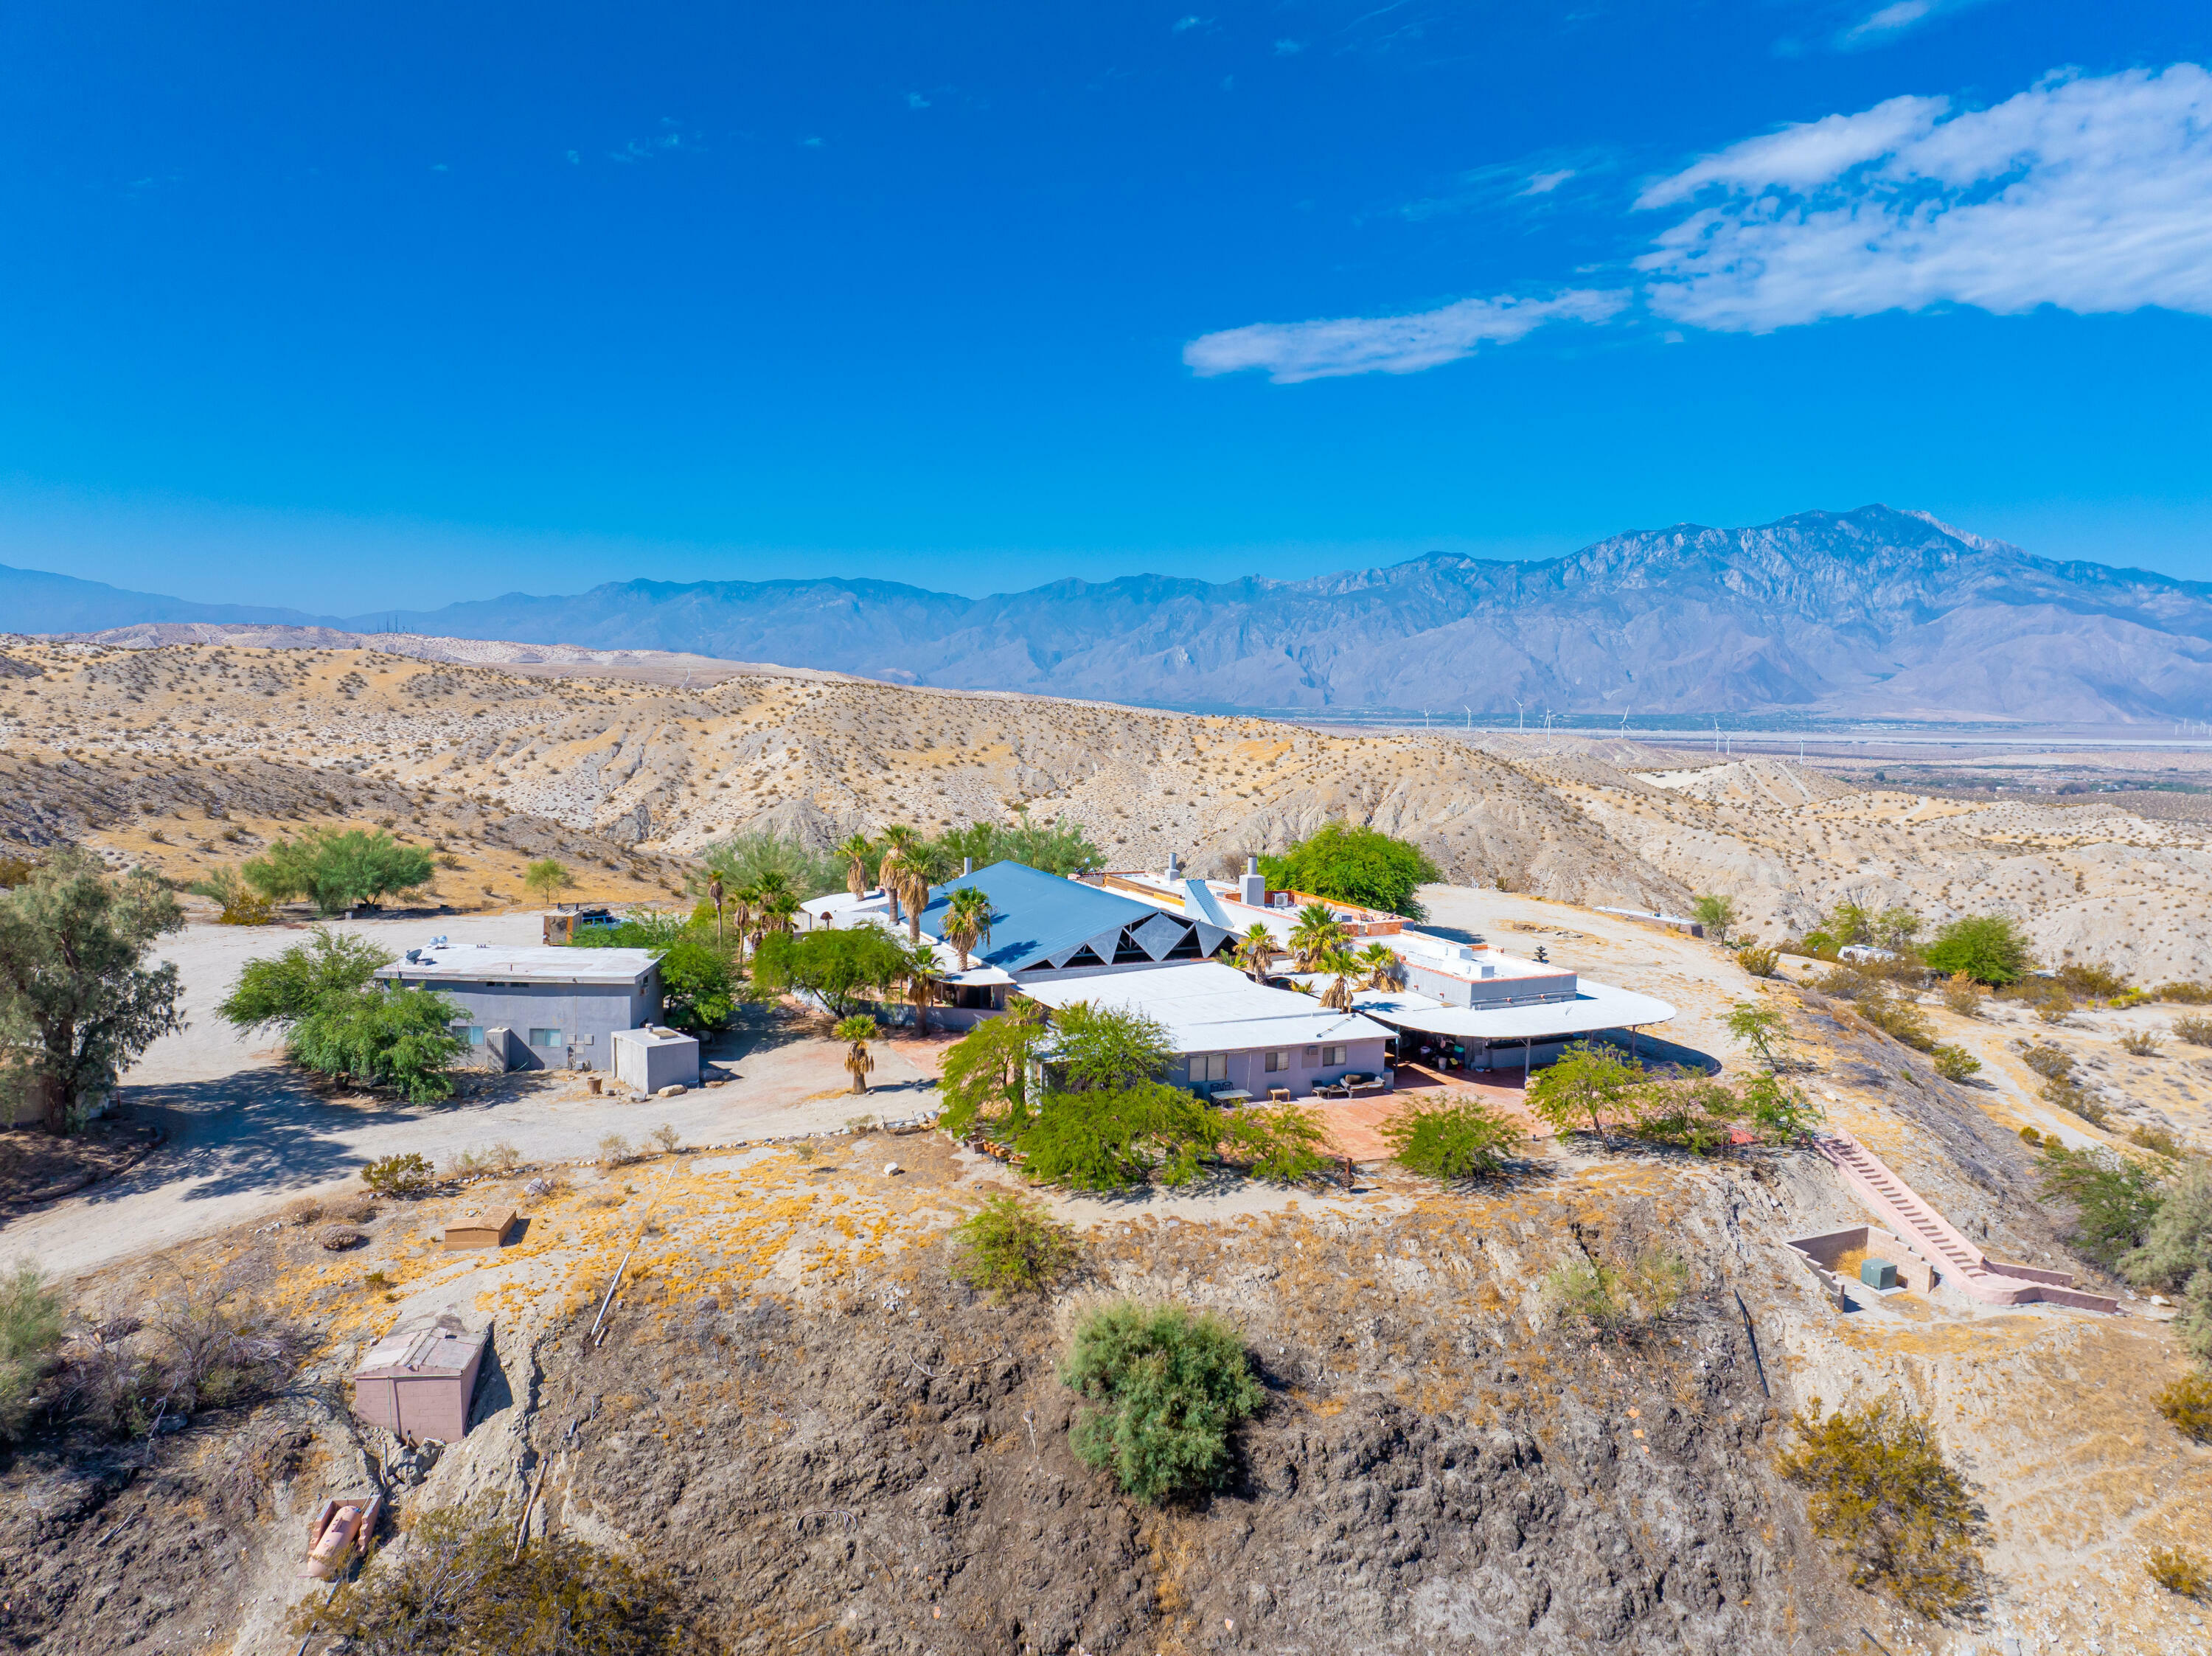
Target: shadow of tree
(259,1128)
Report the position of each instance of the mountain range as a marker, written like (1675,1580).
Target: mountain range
(1876,612)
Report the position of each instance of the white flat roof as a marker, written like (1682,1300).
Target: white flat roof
(504,963)
(1209,1008)
(1595,1006)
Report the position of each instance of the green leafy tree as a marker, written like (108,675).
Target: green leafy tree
(743,860)
(1850,923)
(1284,1144)
(843,969)
(1058,848)
(1780,1113)
(2115,1199)
(986,1075)
(1987,948)
(1587,1080)
(2176,1253)
(1355,864)
(1099,1049)
(360,867)
(1698,1114)
(1166,1390)
(78,1004)
(1896,928)
(277,992)
(1716,913)
(401,1038)
(1117,1137)
(1759,1027)
(699,985)
(548,876)
(1459,1136)
(241,904)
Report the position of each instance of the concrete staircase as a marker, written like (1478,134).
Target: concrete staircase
(1934,1238)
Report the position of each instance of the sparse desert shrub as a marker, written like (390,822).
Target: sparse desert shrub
(857,1124)
(2188,1404)
(2051,1063)
(2029,1136)
(2197,1031)
(2157,1141)
(2179,1571)
(667,1137)
(1881,1487)
(31,1323)
(410,1174)
(339,1238)
(615,1150)
(2176,1254)
(2142,1043)
(1955,1063)
(2092,982)
(1010,1246)
(2055,1007)
(1760,963)
(2075,1099)
(1963,994)
(1459,1136)
(2185,993)
(1166,1389)
(1617,1296)
(356,1210)
(1899,1019)
(302,1212)
(501,1158)
(1759,1027)
(458,1585)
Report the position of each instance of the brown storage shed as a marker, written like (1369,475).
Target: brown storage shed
(481,1228)
(417,1385)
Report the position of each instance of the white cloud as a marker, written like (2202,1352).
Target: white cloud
(1544,183)
(1193,22)
(1288,48)
(2093,194)
(1892,22)
(1292,351)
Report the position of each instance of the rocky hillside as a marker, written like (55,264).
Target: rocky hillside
(1870,612)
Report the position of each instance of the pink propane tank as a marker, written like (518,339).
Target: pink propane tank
(322,1558)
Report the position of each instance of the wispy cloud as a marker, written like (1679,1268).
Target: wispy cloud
(1288,48)
(1184,25)
(1293,351)
(670,139)
(1895,21)
(915,101)
(2091,194)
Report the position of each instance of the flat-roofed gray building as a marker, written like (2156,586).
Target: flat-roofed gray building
(562,1005)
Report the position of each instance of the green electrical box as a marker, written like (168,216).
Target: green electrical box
(1878,1273)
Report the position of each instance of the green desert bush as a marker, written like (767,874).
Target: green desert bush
(1879,1487)
(1459,1136)
(1166,1389)
(408,1174)
(1284,1144)
(1760,963)
(1010,1246)
(2115,1198)
(1990,948)
(2197,1031)
(401,1039)
(2140,1043)
(1617,1296)
(2179,1571)
(1955,1063)
(31,1322)
(2185,993)
(1963,994)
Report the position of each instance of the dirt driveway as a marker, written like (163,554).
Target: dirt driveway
(245,1134)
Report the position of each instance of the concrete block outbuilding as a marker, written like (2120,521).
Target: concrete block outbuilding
(652,1057)
(417,1383)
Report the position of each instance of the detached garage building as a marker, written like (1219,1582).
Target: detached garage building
(560,1006)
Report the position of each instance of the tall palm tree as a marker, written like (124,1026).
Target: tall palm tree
(1341,962)
(1316,932)
(1380,965)
(1256,950)
(899,843)
(743,902)
(967,918)
(855,849)
(921,976)
(858,1030)
(774,912)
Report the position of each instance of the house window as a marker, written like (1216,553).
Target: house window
(471,1032)
(1331,1057)
(545,1038)
(1278,1062)
(1209,1067)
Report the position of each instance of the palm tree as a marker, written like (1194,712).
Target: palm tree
(1316,932)
(855,849)
(717,894)
(1345,965)
(899,843)
(859,1030)
(1380,965)
(742,902)
(967,918)
(1256,950)
(921,976)
(775,911)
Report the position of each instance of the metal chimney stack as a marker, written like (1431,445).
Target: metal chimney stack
(1175,872)
(967,866)
(1254,886)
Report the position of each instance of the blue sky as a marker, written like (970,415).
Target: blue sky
(341,307)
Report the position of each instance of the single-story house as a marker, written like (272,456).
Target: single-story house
(562,1005)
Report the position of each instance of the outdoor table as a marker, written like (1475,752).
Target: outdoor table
(1234,1095)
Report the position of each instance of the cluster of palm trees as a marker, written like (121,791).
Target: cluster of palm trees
(1319,943)
(763,904)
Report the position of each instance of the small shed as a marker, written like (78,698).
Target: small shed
(652,1057)
(480,1228)
(418,1383)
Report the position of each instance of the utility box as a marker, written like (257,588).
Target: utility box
(652,1057)
(483,1227)
(418,1383)
(1878,1273)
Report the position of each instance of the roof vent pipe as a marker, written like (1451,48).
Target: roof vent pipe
(1174,871)
(1253,888)
(967,866)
